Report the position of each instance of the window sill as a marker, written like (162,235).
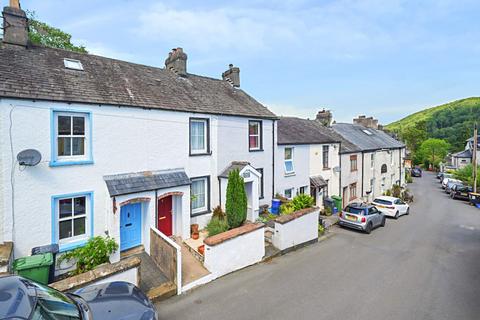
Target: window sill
(255,150)
(200,213)
(69,163)
(289,174)
(327,168)
(71,246)
(200,154)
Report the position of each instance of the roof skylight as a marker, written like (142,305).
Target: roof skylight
(72,64)
(367,132)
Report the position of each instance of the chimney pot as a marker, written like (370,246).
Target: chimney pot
(177,61)
(324,117)
(232,75)
(15,26)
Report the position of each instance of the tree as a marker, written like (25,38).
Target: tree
(236,204)
(432,151)
(42,34)
(465,175)
(414,136)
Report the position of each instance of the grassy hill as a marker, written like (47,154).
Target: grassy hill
(452,122)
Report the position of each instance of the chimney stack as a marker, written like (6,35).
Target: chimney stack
(232,75)
(177,62)
(369,122)
(324,117)
(15,26)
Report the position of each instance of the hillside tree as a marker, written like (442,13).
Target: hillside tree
(432,151)
(43,34)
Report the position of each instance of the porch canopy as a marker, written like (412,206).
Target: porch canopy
(128,183)
(317,182)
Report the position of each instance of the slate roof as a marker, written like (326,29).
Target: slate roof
(39,73)
(318,181)
(293,130)
(234,165)
(127,183)
(463,154)
(376,140)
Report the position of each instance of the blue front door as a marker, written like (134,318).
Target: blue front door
(130,226)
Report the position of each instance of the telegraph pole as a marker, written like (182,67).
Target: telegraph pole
(475,142)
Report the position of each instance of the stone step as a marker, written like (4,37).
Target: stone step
(268,236)
(133,251)
(162,292)
(270,252)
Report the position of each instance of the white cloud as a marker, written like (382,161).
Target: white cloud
(216,29)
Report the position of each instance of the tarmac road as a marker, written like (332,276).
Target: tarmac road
(422,266)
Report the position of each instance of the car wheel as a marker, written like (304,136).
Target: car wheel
(368,229)
(396,215)
(408,211)
(383,222)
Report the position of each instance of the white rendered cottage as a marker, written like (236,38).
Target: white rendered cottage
(307,159)
(378,160)
(124,147)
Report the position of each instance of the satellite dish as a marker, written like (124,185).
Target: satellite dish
(29,157)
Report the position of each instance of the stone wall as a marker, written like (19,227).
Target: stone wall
(125,270)
(164,255)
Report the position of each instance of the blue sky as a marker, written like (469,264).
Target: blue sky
(385,58)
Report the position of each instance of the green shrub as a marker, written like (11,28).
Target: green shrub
(408,178)
(328,211)
(218,213)
(302,201)
(216,226)
(321,229)
(236,204)
(388,192)
(286,208)
(94,253)
(396,191)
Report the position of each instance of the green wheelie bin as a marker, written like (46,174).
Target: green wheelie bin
(35,267)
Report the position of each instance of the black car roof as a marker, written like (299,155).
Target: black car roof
(16,299)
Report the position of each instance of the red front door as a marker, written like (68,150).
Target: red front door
(164,222)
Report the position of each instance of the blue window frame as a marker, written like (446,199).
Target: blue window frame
(72,219)
(71,137)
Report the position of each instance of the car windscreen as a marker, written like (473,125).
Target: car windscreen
(382,201)
(355,210)
(52,304)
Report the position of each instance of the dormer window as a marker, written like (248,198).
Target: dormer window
(73,64)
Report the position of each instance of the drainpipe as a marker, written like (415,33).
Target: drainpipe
(273,158)
(220,192)
(340,173)
(400,166)
(156,208)
(363,169)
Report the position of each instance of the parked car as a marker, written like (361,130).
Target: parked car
(361,216)
(21,298)
(440,175)
(444,176)
(448,182)
(460,192)
(416,172)
(451,183)
(391,206)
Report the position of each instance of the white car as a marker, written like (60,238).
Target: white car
(391,206)
(447,180)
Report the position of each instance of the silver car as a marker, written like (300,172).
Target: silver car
(361,216)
